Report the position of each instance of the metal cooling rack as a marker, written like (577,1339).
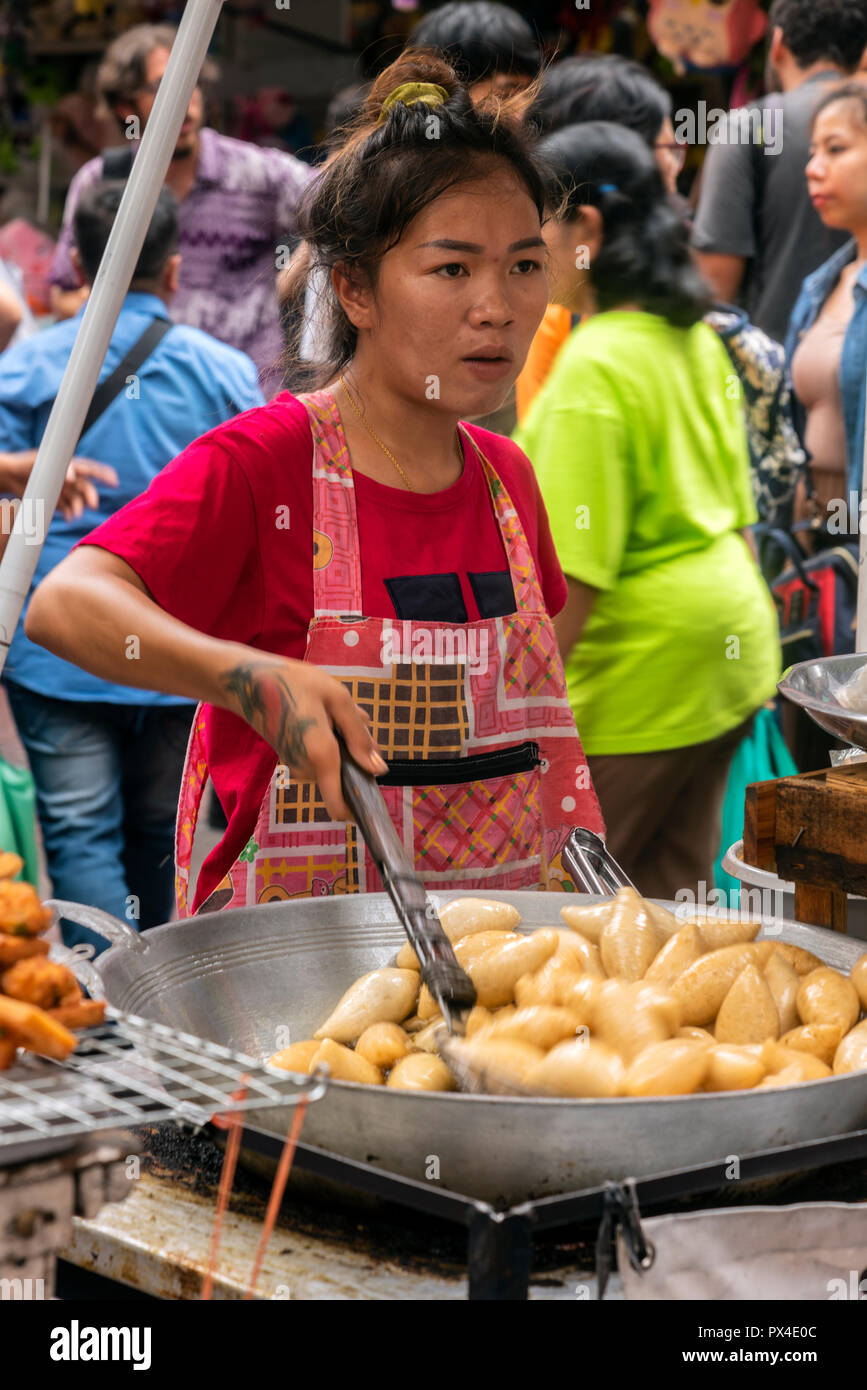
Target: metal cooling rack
(130,1071)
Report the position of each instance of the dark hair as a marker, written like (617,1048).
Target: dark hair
(644,257)
(344,106)
(93,220)
(847,91)
(480,39)
(600,87)
(122,70)
(817,30)
(382,176)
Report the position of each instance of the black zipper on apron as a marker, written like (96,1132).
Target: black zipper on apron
(478,767)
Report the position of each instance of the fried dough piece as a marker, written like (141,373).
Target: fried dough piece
(21,912)
(541,1025)
(749,1013)
(496,973)
(703,986)
(822,1039)
(13,948)
(463,917)
(85,1014)
(629,941)
(381,996)
(802,960)
(672,1068)
(499,1062)
(36,1029)
(581,1069)
(10,864)
(39,981)
(681,950)
(344,1064)
(784,982)
(828,996)
(589,920)
(295,1057)
(858,976)
(383,1044)
(420,1071)
(851,1055)
(732,1067)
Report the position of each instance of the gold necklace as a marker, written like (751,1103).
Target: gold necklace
(385,448)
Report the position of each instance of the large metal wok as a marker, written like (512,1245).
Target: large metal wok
(256,978)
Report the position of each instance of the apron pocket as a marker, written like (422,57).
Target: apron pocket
(475,819)
(478,767)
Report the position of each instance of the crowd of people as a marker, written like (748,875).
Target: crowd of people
(464,442)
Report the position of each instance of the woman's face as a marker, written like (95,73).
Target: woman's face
(837,170)
(459,298)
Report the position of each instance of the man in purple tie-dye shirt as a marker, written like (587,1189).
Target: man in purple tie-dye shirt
(237,210)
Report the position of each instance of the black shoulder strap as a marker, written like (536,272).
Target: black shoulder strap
(114,383)
(117,162)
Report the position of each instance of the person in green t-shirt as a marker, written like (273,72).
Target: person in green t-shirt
(669,635)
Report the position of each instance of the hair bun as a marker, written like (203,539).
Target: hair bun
(415,69)
(411,93)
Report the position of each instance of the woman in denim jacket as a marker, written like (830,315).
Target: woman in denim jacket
(826,347)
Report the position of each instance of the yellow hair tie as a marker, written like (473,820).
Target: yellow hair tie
(411,92)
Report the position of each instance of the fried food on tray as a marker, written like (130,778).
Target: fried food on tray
(35,1029)
(40,981)
(21,912)
(13,948)
(40,999)
(10,864)
(83,1014)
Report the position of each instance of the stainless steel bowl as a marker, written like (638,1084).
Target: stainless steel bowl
(813,685)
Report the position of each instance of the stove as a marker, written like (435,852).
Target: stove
(350,1231)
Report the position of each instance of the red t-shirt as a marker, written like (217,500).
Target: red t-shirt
(223,539)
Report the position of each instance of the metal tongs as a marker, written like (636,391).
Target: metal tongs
(591,866)
(450,986)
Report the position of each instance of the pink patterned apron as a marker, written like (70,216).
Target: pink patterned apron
(487,775)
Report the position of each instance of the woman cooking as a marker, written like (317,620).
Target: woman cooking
(355,558)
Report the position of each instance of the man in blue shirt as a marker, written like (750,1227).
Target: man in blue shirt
(107,759)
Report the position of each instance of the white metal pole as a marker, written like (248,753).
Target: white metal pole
(861,610)
(100,315)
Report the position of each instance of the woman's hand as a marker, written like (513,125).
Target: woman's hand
(296,707)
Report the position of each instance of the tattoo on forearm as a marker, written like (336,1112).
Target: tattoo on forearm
(267,702)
